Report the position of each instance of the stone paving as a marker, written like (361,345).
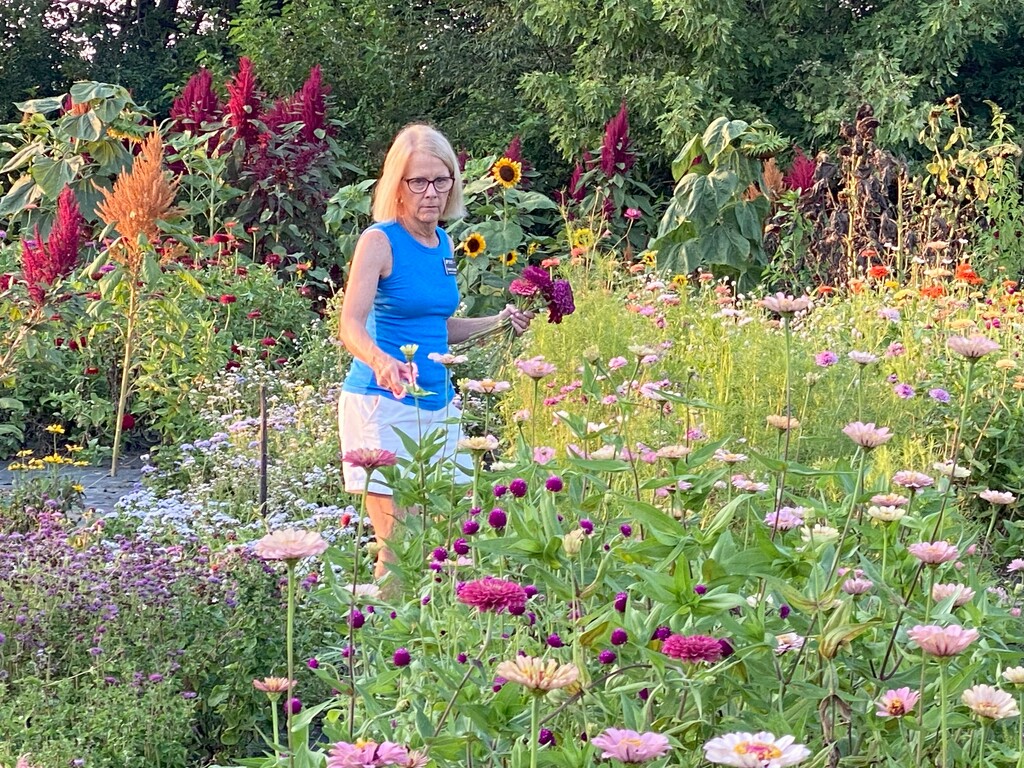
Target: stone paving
(101,490)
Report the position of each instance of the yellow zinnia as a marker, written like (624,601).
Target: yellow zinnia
(507,172)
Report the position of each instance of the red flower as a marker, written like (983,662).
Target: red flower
(312,105)
(127,421)
(494,595)
(197,103)
(6,281)
(965,273)
(801,172)
(878,271)
(615,154)
(227,298)
(693,648)
(254,314)
(91,371)
(244,104)
(268,341)
(41,265)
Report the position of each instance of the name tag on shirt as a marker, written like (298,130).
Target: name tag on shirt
(449,265)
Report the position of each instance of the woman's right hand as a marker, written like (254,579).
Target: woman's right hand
(393,374)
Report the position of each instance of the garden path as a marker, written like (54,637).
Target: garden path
(101,490)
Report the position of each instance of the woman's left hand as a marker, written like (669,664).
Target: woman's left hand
(518,319)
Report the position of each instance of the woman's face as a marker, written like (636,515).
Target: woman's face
(425,206)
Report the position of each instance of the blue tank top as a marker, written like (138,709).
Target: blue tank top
(412,306)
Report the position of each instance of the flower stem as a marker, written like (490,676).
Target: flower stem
(942,712)
(289,641)
(534,730)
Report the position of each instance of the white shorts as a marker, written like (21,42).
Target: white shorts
(374,421)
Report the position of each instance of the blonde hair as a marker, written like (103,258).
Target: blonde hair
(417,137)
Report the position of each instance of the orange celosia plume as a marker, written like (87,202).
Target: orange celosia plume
(140,198)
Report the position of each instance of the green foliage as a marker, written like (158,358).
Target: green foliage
(711,222)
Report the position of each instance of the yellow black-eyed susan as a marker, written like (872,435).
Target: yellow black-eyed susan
(473,245)
(650,258)
(507,172)
(510,258)
(583,238)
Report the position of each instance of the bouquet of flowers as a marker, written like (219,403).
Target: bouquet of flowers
(534,291)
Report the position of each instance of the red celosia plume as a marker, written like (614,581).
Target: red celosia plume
(615,154)
(197,103)
(801,172)
(244,102)
(42,264)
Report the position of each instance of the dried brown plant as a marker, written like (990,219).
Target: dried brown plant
(773,179)
(140,199)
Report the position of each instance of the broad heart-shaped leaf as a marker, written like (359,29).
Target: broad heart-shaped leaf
(108,109)
(697,198)
(86,126)
(500,236)
(53,175)
(40,106)
(23,156)
(684,160)
(720,134)
(531,201)
(23,192)
(748,220)
(87,91)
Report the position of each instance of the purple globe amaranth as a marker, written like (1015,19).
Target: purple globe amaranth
(469,527)
(700,589)
(587,526)
(500,490)
(783,611)
(546,738)
(662,633)
(356,619)
(626,530)
(554,640)
(554,484)
(606,656)
(497,519)
(460,547)
(401,657)
(295,705)
(517,487)
(620,602)
(619,636)
(440,554)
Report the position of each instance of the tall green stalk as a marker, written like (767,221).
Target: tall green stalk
(126,364)
(290,643)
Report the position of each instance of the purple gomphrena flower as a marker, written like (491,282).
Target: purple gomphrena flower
(620,602)
(555,641)
(727,649)
(440,554)
(356,619)
(700,589)
(619,636)
(393,614)
(554,484)
(313,663)
(783,611)
(401,658)
(295,705)
(497,519)
(470,527)
(460,547)
(500,490)
(530,591)
(644,694)
(474,511)
(606,656)
(661,633)
(626,530)
(425,600)
(939,395)
(546,738)
(462,658)
(587,526)
(517,487)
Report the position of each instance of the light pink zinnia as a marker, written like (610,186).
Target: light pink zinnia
(786,519)
(963,593)
(857,586)
(491,594)
(867,436)
(370,458)
(692,648)
(933,552)
(1017,564)
(290,544)
(914,481)
(629,746)
(997,497)
(897,702)
(755,750)
(536,367)
(973,347)
(366,754)
(991,703)
(942,641)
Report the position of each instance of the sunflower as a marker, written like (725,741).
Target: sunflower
(474,245)
(507,172)
(650,258)
(510,258)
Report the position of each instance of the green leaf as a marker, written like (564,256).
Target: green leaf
(87,91)
(40,106)
(150,269)
(53,175)
(683,162)
(22,193)
(720,135)
(86,126)
(23,156)
(11,404)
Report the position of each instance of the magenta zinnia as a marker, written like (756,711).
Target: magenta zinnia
(370,458)
(494,595)
(693,648)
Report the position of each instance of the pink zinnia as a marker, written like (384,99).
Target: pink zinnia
(867,436)
(914,481)
(897,702)
(290,544)
(933,552)
(366,754)
(942,641)
(491,594)
(370,458)
(629,746)
(973,347)
(692,648)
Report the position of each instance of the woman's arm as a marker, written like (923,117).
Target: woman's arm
(462,328)
(371,261)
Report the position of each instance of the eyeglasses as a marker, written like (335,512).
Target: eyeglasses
(419,185)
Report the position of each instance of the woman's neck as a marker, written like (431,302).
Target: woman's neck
(422,232)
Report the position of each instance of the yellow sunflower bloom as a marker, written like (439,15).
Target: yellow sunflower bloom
(510,258)
(507,172)
(650,258)
(680,281)
(583,239)
(474,245)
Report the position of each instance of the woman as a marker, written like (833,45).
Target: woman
(402,290)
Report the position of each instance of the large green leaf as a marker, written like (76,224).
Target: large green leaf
(720,134)
(86,126)
(23,156)
(87,91)
(53,175)
(22,193)
(41,106)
